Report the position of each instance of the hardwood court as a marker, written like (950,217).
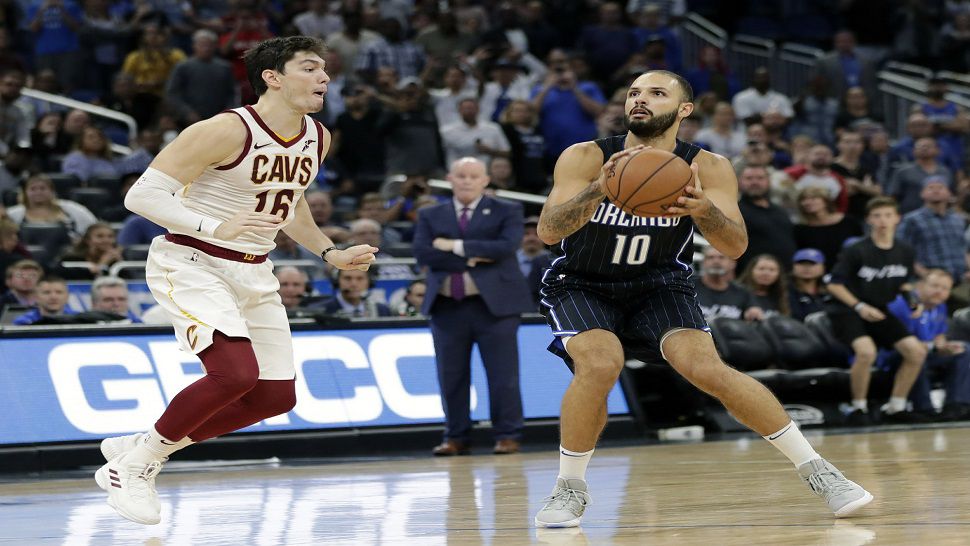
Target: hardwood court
(737,492)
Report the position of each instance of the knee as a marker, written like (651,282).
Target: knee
(598,368)
(240,380)
(914,353)
(864,357)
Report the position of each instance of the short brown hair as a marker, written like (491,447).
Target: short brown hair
(881,202)
(24,264)
(273,54)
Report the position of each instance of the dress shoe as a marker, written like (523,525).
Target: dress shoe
(449,448)
(506,447)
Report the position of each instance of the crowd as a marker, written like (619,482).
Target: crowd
(416,84)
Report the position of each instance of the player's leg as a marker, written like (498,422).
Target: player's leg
(597,357)
(692,353)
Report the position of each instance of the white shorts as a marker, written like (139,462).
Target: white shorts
(203,293)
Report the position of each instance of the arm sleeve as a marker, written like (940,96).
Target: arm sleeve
(843,267)
(153,196)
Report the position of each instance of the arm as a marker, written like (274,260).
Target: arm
(504,244)
(429,256)
(866,311)
(714,207)
(591,105)
(577,190)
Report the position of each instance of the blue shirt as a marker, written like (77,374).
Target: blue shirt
(54,35)
(563,120)
(139,231)
(938,240)
(850,70)
(34,315)
(925,327)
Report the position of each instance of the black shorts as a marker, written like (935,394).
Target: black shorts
(640,317)
(848,326)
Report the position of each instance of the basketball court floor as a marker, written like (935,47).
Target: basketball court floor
(736,492)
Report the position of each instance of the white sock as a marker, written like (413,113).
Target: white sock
(792,444)
(896,404)
(860,404)
(154,447)
(572,464)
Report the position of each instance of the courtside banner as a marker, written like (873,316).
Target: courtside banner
(81,388)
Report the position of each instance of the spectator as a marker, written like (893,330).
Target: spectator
(854,112)
(821,226)
(918,126)
(318,20)
(446,99)
(294,286)
(110,295)
(10,59)
(98,248)
(540,34)
(711,74)
(394,51)
(15,121)
(104,39)
(567,108)
(475,295)
(510,80)
(247,26)
(202,85)
(769,228)
(806,293)
(858,175)
(15,168)
(442,41)
(356,141)
(39,205)
(153,61)
(765,280)
(689,127)
(372,206)
(531,249)
(352,39)
(11,251)
(55,24)
(950,122)
(21,281)
(51,301)
(608,44)
(845,67)
(91,156)
(816,111)
(500,174)
(410,132)
(754,101)
(955,43)
(949,359)
(403,208)
(287,249)
(351,299)
(334,104)
(722,136)
(877,155)
(867,277)
(410,306)
(909,180)
(470,137)
(527,146)
(718,296)
(49,142)
(651,27)
(367,231)
(149,144)
(321,208)
(935,232)
(818,173)
(125,98)
(612,120)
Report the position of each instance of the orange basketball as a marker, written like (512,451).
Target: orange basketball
(648,182)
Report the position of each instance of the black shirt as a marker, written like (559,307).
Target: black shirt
(769,232)
(858,200)
(803,304)
(730,303)
(828,239)
(872,274)
(361,148)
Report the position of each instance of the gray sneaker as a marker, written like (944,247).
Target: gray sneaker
(565,506)
(843,496)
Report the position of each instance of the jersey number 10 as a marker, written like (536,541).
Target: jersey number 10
(636,252)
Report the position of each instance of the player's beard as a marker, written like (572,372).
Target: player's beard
(653,127)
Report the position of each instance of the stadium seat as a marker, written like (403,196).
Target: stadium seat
(41,254)
(135,253)
(95,199)
(742,344)
(53,237)
(10,197)
(960,325)
(64,183)
(838,353)
(796,346)
(111,184)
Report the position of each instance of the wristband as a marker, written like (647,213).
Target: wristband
(858,306)
(323,255)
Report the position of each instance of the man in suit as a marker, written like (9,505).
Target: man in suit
(475,294)
(845,67)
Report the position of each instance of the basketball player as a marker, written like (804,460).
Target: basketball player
(623,283)
(224,188)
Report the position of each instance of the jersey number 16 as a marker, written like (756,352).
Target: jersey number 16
(281,205)
(636,252)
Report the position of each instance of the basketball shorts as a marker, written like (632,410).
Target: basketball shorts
(640,317)
(848,326)
(204,293)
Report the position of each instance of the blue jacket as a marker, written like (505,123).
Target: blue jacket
(494,232)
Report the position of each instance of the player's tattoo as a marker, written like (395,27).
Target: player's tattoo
(714,225)
(565,219)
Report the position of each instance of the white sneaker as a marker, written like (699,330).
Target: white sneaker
(119,445)
(131,489)
(565,506)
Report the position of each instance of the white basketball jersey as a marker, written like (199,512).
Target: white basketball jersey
(269,176)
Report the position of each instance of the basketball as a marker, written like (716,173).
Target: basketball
(648,182)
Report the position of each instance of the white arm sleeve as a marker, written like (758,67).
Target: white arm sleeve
(153,196)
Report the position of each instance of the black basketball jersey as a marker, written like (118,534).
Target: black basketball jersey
(616,246)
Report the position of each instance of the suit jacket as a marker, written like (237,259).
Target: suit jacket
(494,232)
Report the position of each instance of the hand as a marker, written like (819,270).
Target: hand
(357,257)
(951,348)
(444,245)
(915,313)
(870,313)
(246,222)
(609,168)
(694,202)
(110,256)
(754,313)
(472,262)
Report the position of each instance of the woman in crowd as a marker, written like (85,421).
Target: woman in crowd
(822,226)
(98,248)
(91,156)
(39,205)
(765,278)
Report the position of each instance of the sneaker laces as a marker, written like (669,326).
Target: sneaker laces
(561,498)
(829,483)
(142,485)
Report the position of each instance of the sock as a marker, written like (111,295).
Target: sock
(896,404)
(154,447)
(860,405)
(572,464)
(792,444)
